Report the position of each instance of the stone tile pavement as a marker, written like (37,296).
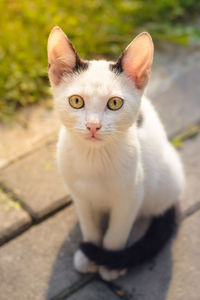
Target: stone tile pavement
(34,179)
(38,225)
(13,218)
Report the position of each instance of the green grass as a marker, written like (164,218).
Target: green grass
(188,133)
(96,28)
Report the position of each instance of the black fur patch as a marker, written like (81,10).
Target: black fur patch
(117,67)
(157,235)
(140,119)
(80,64)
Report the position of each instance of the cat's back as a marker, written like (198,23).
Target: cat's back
(151,125)
(163,171)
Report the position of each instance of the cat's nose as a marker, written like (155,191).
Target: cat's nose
(93,127)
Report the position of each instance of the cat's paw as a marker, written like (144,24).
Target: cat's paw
(109,275)
(82,264)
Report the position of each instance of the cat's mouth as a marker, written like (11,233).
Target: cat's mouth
(93,138)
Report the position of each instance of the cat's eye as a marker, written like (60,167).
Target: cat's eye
(76,101)
(115,103)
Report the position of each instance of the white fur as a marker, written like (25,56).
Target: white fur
(109,275)
(83,264)
(131,171)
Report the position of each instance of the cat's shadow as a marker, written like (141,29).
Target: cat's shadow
(147,282)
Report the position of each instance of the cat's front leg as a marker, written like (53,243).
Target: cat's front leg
(91,230)
(122,218)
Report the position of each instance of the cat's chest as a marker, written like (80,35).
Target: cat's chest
(90,176)
(95,177)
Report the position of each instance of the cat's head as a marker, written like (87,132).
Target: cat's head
(98,100)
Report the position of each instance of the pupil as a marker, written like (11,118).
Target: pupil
(115,102)
(77,100)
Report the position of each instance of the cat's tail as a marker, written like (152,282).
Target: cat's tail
(157,235)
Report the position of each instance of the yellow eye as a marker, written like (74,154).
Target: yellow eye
(115,103)
(76,101)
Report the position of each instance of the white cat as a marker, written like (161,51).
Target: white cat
(113,154)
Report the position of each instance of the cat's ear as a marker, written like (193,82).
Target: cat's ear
(62,57)
(137,58)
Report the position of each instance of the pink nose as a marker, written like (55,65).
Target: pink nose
(93,127)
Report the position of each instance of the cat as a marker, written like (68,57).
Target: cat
(113,154)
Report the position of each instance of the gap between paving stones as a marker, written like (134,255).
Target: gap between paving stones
(74,287)
(34,221)
(190,211)
(20,157)
(113,287)
(15,198)
(117,290)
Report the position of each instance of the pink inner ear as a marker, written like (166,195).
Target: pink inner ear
(137,59)
(61,55)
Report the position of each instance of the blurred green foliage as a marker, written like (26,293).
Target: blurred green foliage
(188,133)
(96,28)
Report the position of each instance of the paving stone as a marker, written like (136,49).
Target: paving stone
(94,291)
(185,281)
(175,273)
(150,281)
(175,93)
(191,161)
(35,180)
(38,263)
(13,218)
(33,126)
